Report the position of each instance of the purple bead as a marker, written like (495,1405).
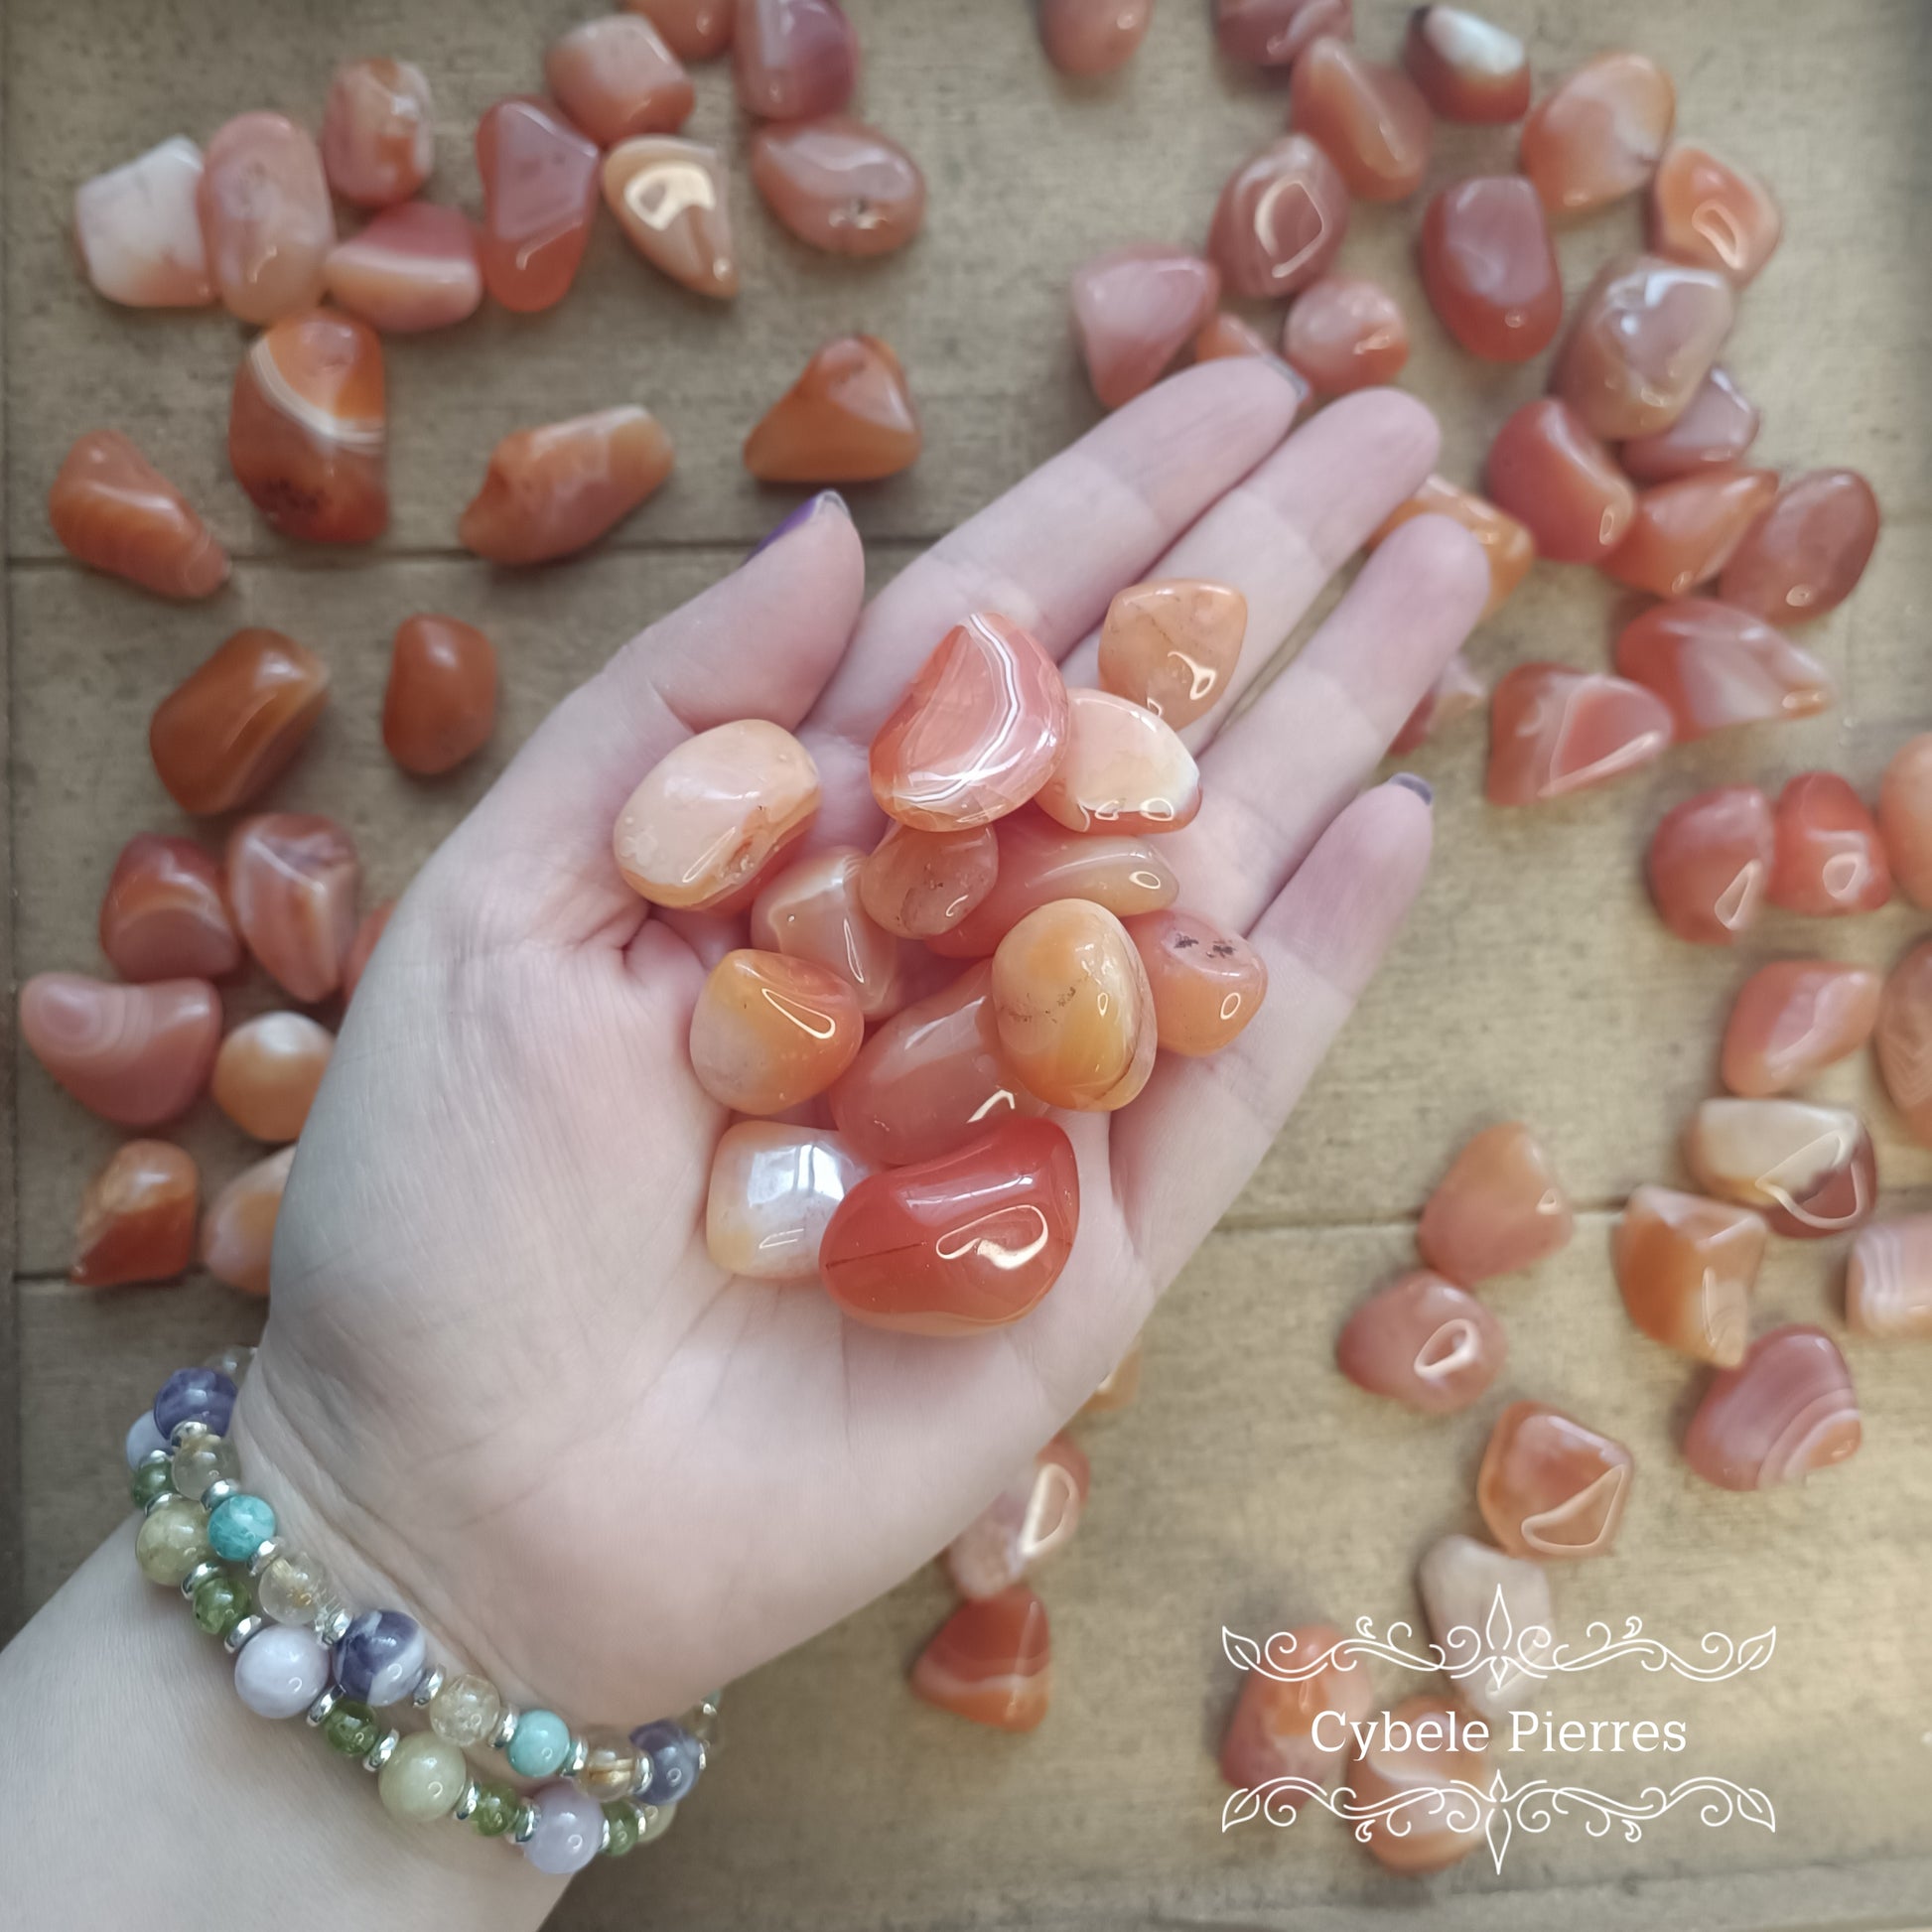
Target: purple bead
(569,1833)
(676,1759)
(280,1671)
(380,1657)
(203,1394)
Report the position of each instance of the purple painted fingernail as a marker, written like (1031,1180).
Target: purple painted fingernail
(826,499)
(1293,376)
(1420,787)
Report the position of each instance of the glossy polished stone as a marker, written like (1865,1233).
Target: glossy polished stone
(1073,1007)
(1273,32)
(1687,1266)
(1499,1208)
(293,877)
(267,1072)
(1546,470)
(978,732)
(1206,983)
(1272,1734)
(774,1190)
(1712,213)
(1223,334)
(1718,425)
(238,1229)
(137,1217)
(1280,221)
(1549,1487)
(1906,817)
(163,915)
(266,217)
(1370,120)
(1346,332)
(228,729)
(1084,38)
(1830,859)
(378,132)
(694,30)
(1458,690)
(1120,769)
(440,703)
(1810,1171)
(1423,1342)
(1467,68)
(414,267)
(280,1672)
(114,512)
(555,487)
(991,1662)
(1034,1516)
(1461,1581)
(364,944)
(1134,311)
(1490,267)
(1904,1036)
(768,1031)
(1554,730)
(1787,1409)
(1805,555)
(793,59)
(569,1831)
(921,883)
(839,185)
(614,78)
(139,229)
(308,428)
(1429,1753)
(1171,644)
(1506,543)
(1888,1280)
(1685,531)
(424,1778)
(1710,863)
(849,418)
(1645,337)
(1598,134)
(539,183)
(134,1054)
(1717,666)
(1792,1018)
(381,1658)
(813,909)
(956,1245)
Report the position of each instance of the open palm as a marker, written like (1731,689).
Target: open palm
(503,1384)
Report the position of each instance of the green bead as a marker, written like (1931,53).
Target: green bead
(624,1830)
(220,1603)
(496,1810)
(352,1729)
(150,1480)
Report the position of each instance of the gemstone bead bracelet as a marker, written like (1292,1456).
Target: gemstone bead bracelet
(299,1651)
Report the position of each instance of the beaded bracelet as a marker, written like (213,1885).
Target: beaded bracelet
(299,1651)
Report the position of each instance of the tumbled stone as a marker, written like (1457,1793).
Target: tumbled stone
(378,132)
(1904,1036)
(1906,817)
(231,725)
(1121,768)
(1710,863)
(1687,1266)
(793,59)
(137,1217)
(921,883)
(1805,555)
(1644,337)
(1224,333)
(308,428)
(1547,468)
(1810,1171)
(364,944)
(614,78)
(1792,1018)
(440,703)
(238,1229)
(773,1191)
(694,30)
(1461,1581)
(539,182)
(990,1662)
(1489,268)
(812,910)
(1888,1280)
(839,185)
(1272,1734)
(1207,984)
(1133,309)
(768,1031)
(114,512)
(1370,120)
(1549,1487)
(1280,221)
(1506,543)
(555,487)
(1715,666)
(1467,68)
(1346,332)
(1030,1519)
(134,1054)
(1084,38)
(1712,213)
(1422,1745)
(1830,859)
(1500,1208)
(293,877)
(1423,1342)
(1554,730)
(1458,690)
(163,915)
(1787,1409)
(414,267)
(267,1072)
(266,217)
(1598,134)
(1274,33)
(1718,426)
(1684,531)
(1172,646)
(139,229)
(849,418)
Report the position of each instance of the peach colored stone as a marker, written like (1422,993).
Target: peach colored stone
(114,512)
(1810,1171)
(267,1072)
(1792,1018)
(1684,531)
(921,883)
(1458,690)
(231,725)
(134,1054)
(1223,333)
(1371,120)
(1505,542)
(768,1031)
(1830,859)
(1084,38)
(1547,468)
(1888,1280)
(1710,863)
(1786,1410)
(1423,1342)
(1122,768)
(1272,1734)
(1467,68)
(414,267)
(378,132)
(849,418)
(1905,1036)
(555,487)
(1346,332)
(839,185)
(1715,666)
(1554,730)
(539,183)
(694,30)
(773,1191)
(1133,309)
(440,699)
(1718,425)
(1422,1746)
(793,59)
(1906,817)
(1031,1518)
(1687,1266)
(1118,1387)
(266,218)
(1280,221)
(991,1662)
(137,1217)
(292,878)
(164,917)
(1274,33)
(1549,1487)
(614,78)
(138,228)
(1207,984)
(1489,268)
(1712,213)
(1598,134)
(1461,1581)
(1172,646)
(812,910)
(364,944)
(1805,555)
(238,1229)
(1499,1208)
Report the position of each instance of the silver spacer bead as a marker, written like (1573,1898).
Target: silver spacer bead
(249,1626)
(499,1738)
(266,1551)
(382,1750)
(318,1712)
(331,1626)
(704,1758)
(430,1683)
(603,1840)
(218,1491)
(466,1805)
(197,1576)
(167,1497)
(575,1759)
(525,1827)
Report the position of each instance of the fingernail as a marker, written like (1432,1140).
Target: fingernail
(826,499)
(1420,787)
(1289,374)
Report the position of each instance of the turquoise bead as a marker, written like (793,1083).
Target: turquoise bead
(541,1744)
(237,1526)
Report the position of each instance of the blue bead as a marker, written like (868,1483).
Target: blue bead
(541,1744)
(380,1657)
(237,1526)
(203,1394)
(676,1759)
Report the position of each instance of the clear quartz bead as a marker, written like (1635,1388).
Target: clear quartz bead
(465,1711)
(204,1459)
(611,1767)
(294,1588)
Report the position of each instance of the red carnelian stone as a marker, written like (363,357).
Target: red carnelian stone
(1372,121)
(1598,135)
(1718,424)
(849,418)
(164,917)
(1706,211)
(1346,332)
(1554,730)
(793,59)
(1715,666)
(441,702)
(137,1217)
(113,511)
(1132,310)
(1468,68)
(233,723)
(1489,268)
(1710,863)
(1805,555)
(1830,858)
(991,1662)
(1280,221)
(540,189)
(1685,531)
(1547,468)
(1274,33)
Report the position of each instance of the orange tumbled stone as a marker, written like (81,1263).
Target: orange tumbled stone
(1273,32)
(1645,337)
(1792,1018)
(1905,1036)
(414,267)
(968,1241)
(921,883)
(670,199)
(1684,531)
(1598,135)
(1499,1208)
(308,428)
(1810,1171)
(768,1031)
(238,1229)
(137,1217)
(1805,555)
(1372,121)
(1172,646)
(773,1191)
(163,915)
(554,488)
(1830,859)
(1686,1267)
(1718,424)
(230,725)
(1031,1518)
(1223,334)
(793,59)
(614,78)
(378,132)
(1089,36)
(134,1054)
(1122,768)
(293,877)
(539,183)
(1554,730)
(113,511)
(849,418)
(1346,332)
(1710,213)
(1467,68)
(1505,542)
(1489,268)
(1906,817)
(1206,983)
(1458,690)
(991,1662)
(1423,1342)
(267,1072)
(1133,309)
(1715,666)
(138,230)
(1888,1280)
(1422,1744)
(839,185)
(1280,221)
(355,962)
(1787,1409)
(1710,863)
(1272,1734)
(266,217)
(694,30)
(813,911)
(440,699)
(1549,1487)
(1547,468)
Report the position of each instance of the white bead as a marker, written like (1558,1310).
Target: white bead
(281,1671)
(143,1439)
